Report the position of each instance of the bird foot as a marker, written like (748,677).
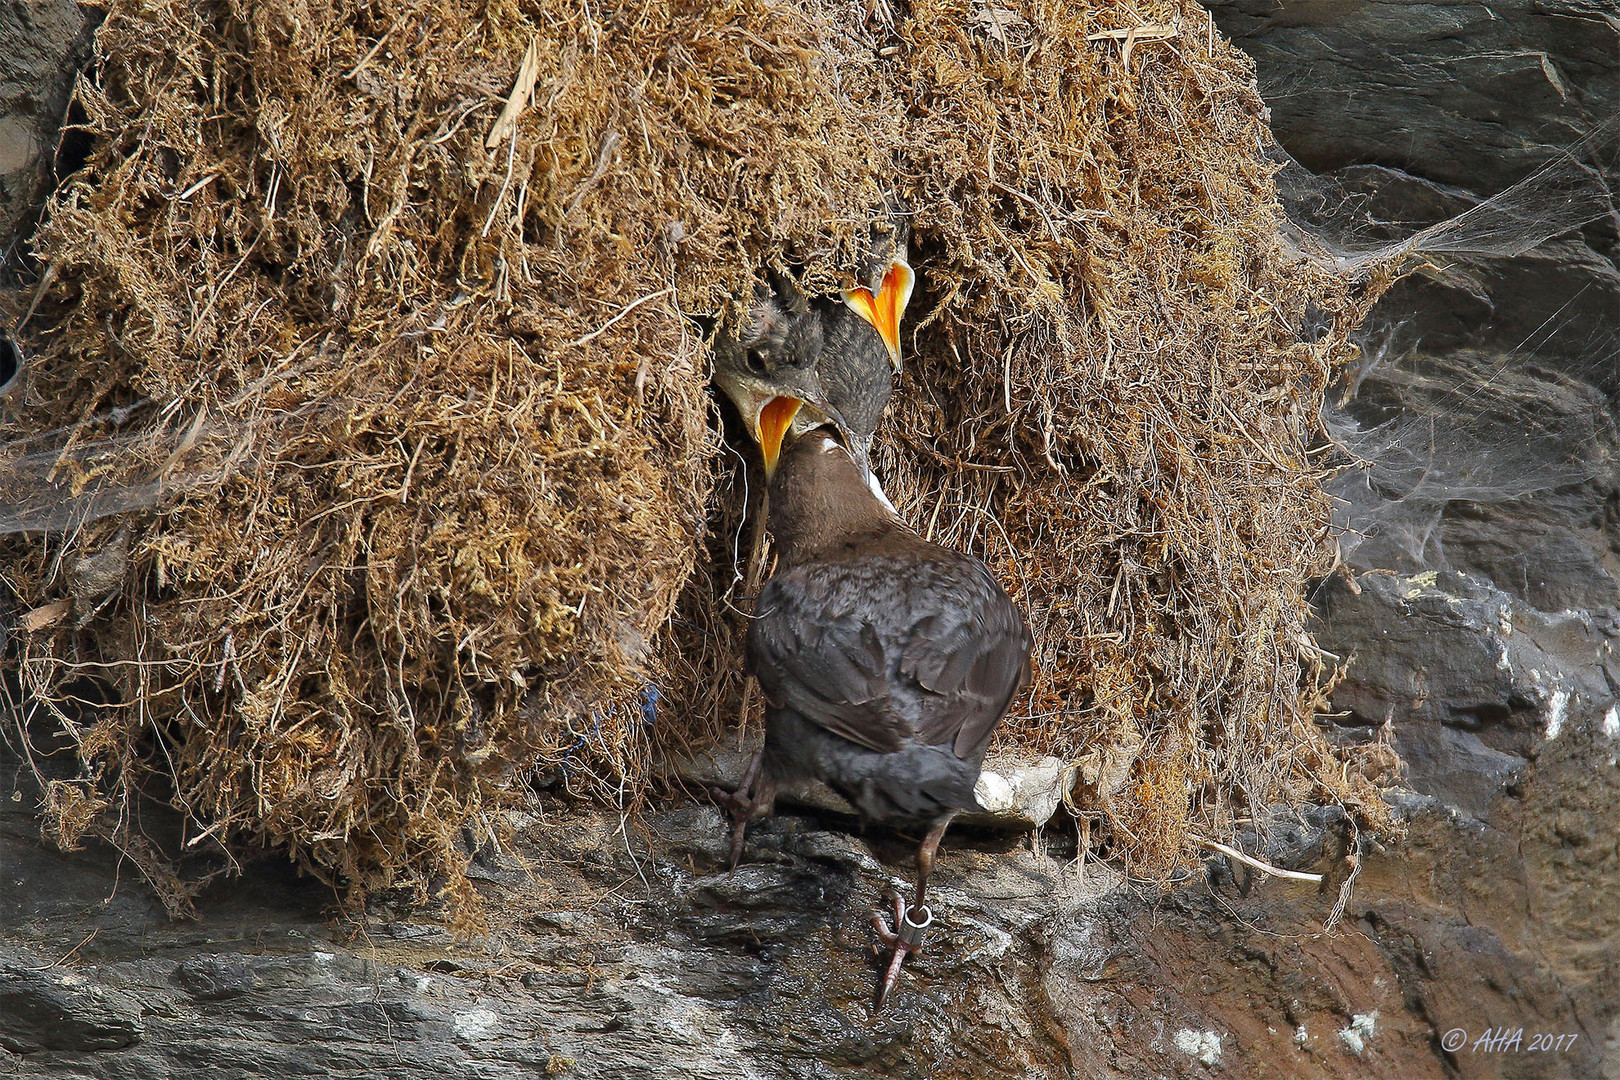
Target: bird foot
(741,808)
(910,929)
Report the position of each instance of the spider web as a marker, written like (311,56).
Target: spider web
(1436,411)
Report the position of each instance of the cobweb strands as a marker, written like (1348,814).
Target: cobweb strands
(1468,419)
(1337,229)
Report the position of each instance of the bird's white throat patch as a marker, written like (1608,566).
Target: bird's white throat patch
(877,489)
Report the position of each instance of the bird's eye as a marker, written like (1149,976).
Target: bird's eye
(756,362)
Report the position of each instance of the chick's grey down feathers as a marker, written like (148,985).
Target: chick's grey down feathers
(814,349)
(886,660)
(817,349)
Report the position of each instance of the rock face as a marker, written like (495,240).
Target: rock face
(621,950)
(1474,95)
(1486,401)
(42,45)
(1480,610)
(56,1009)
(1480,681)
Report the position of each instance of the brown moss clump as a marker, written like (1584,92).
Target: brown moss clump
(415,440)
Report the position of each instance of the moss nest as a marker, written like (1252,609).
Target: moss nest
(363,379)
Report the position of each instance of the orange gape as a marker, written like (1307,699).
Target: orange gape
(774,420)
(883,310)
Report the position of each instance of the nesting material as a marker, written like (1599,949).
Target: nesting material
(368,322)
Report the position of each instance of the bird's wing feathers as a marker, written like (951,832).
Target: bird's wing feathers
(870,653)
(971,660)
(812,653)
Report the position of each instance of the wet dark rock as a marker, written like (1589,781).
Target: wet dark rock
(1488,397)
(1535,555)
(1469,94)
(1018,791)
(1483,541)
(44,1006)
(42,45)
(211,978)
(1472,681)
(1295,838)
(761,904)
(417,932)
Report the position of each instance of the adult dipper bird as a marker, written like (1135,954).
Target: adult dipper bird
(799,363)
(886,661)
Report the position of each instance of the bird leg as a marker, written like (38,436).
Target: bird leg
(751,800)
(910,927)
(910,924)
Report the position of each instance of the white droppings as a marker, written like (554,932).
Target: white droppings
(1360,1032)
(1556,706)
(994,792)
(1203,1045)
(1611,722)
(1503,663)
(477,1024)
(1301,1036)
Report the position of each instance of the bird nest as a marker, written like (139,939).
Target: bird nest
(365,464)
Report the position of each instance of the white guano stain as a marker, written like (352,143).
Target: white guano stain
(1363,1026)
(1203,1045)
(994,792)
(476,1024)
(1557,706)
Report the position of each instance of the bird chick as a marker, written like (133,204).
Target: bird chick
(836,356)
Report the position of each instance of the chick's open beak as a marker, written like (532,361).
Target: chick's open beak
(773,412)
(883,310)
(774,421)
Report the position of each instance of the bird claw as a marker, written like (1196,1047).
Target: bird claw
(907,937)
(741,809)
(887,938)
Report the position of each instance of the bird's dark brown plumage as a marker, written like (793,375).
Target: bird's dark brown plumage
(886,660)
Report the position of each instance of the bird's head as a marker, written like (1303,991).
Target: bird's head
(768,367)
(881,299)
(796,363)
